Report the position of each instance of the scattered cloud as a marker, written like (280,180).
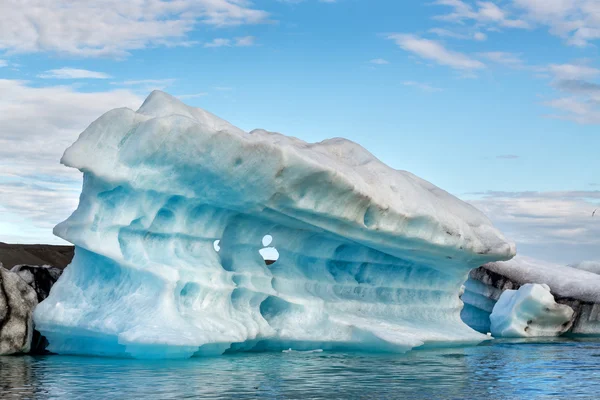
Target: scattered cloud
(483,13)
(144,86)
(422,86)
(192,96)
(112,28)
(573,71)
(479,36)
(38,124)
(576,21)
(539,221)
(505,58)
(3,63)
(73,73)
(218,42)
(244,41)
(435,51)
(579,99)
(167,81)
(508,156)
(302,1)
(379,61)
(575,109)
(584,89)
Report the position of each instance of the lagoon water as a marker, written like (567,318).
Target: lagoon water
(499,369)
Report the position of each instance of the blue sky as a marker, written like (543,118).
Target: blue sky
(496,102)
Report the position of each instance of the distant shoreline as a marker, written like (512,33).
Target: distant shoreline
(35,254)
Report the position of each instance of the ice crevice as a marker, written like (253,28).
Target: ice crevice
(171,232)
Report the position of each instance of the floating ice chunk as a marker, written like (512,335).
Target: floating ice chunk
(529,312)
(302,351)
(369,257)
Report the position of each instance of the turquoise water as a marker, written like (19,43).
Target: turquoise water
(553,369)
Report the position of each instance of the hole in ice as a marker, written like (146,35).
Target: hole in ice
(268,253)
(266,240)
(216,245)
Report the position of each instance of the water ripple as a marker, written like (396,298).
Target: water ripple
(564,369)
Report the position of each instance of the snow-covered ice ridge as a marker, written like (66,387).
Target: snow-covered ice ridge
(370,257)
(576,288)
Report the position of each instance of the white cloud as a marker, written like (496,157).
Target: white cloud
(573,71)
(167,81)
(479,36)
(577,21)
(505,58)
(3,63)
(112,27)
(144,86)
(435,51)
(379,61)
(579,99)
(557,223)
(191,96)
(218,42)
(483,13)
(422,86)
(37,125)
(244,41)
(73,73)
(575,109)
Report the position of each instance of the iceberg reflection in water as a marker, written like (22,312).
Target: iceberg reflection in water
(501,369)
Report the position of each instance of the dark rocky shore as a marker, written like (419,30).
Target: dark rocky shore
(35,254)
(28,274)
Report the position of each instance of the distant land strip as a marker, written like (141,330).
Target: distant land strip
(35,254)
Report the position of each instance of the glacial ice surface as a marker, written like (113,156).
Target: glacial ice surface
(564,281)
(529,311)
(369,257)
(590,266)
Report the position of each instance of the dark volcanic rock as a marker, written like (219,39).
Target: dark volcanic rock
(40,278)
(35,254)
(34,269)
(17,302)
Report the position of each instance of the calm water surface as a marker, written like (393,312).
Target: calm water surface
(554,369)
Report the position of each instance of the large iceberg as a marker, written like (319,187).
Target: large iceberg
(369,257)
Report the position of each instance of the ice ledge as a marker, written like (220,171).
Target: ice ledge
(337,185)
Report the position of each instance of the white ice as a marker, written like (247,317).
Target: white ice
(564,281)
(529,312)
(590,266)
(369,257)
